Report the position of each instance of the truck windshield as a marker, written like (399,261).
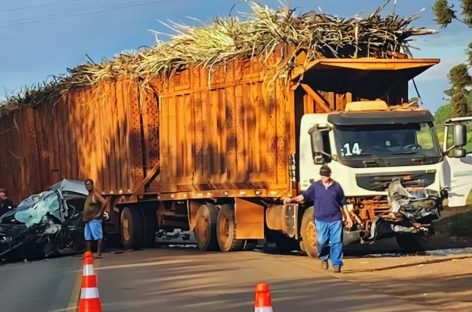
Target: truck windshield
(387,145)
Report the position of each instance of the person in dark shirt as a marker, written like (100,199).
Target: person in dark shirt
(5,203)
(328,198)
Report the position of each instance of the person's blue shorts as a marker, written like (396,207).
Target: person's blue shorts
(93,230)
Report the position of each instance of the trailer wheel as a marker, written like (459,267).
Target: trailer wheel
(205,228)
(308,233)
(149,226)
(410,243)
(226,230)
(131,228)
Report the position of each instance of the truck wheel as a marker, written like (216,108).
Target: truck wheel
(226,230)
(410,243)
(149,226)
(131,228)
(205,228)
(308,233)
(284,243)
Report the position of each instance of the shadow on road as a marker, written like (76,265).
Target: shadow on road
(194,281)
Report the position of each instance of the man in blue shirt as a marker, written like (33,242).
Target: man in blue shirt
(328,198)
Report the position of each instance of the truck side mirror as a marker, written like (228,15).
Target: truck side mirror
(317,146)
(459,153)
(460,135)
(459,140)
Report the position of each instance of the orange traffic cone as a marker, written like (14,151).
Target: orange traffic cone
(89,298)
(262,300)
(87,254)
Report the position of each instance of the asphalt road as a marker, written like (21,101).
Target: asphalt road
(178,279)
(46,285)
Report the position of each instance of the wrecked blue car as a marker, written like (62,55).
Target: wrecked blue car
(45,224)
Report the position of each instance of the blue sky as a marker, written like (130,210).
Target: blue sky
(39,38)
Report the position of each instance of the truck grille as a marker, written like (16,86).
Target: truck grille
(380,181)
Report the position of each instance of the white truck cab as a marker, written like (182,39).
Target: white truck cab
(369,145)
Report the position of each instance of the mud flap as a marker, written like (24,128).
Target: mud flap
(249,219)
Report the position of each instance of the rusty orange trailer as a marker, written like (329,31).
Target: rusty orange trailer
(206,150)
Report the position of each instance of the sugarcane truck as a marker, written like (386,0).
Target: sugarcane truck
(352,114)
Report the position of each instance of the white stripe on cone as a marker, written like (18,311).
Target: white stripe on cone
(263,309)
(89,293)
(88,270)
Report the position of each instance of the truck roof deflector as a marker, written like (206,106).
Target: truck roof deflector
(411,67)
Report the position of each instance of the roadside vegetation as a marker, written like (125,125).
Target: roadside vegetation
(457,11)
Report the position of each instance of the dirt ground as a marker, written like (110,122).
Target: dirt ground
(440,278)
(439,282)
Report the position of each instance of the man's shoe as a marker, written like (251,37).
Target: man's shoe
(336,269)
(324,264)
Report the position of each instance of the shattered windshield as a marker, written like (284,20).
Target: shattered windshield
(380,145)
(32,210)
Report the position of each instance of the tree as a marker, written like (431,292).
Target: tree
(459,76)
(445,112)
(442,113)
(459,92)
(469,53)
(445,13)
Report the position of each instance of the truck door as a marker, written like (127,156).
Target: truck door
(458,170)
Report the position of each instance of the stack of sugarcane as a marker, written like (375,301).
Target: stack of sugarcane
(255,34)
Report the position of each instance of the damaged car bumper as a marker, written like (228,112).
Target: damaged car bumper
(412,212)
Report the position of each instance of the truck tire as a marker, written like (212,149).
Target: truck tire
(131,228)
(410,243)
(205,228)
(149,226)
(308,233)
(284,243)
(226,230)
